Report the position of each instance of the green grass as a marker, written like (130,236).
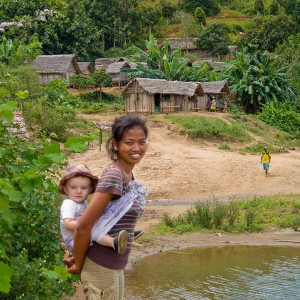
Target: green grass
(210,128)
(230,17)
(237,216)
(237,132)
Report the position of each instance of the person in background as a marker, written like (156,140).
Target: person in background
(213,104)
(102,268)
(77,183)
(265,159)
(208,104)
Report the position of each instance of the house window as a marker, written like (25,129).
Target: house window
(165,97)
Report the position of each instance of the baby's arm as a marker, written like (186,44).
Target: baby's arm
(70,224)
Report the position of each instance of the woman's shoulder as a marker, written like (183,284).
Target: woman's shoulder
(112,172)
(112,168)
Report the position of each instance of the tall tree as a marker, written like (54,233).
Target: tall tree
(210,7)
(266,33)
(214,39)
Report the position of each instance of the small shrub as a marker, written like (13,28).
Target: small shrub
(296,224)
(223,146)
(232,213)
(167,220)
(250,218)
(203,216)
(219,213)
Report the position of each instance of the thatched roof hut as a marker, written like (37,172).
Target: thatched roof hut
(215,87)
(182,43)
(213,64)
(115,70)
(160,95)
(104,62)
(86,68)
(50,67)
(163,86)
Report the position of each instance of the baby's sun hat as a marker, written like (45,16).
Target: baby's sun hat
(74,171)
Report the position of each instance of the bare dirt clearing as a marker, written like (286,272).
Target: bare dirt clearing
(178,171)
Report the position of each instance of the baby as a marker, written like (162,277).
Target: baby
(77,183)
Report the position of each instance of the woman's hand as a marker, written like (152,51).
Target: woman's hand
(69,261)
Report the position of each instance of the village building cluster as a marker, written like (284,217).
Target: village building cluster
(143,95)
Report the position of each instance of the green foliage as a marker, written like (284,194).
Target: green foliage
(30,281)
(49,121)
(257,80)
(274,8)
(292,8)
(78,145)
(210,7)
(81,81)
(284,116)
(203,127)
(214,39)
(56,93)
(162,65)
(223,146)
(15,53)
(266,33)
(109,103)
(6,272)
(259,7)
(289,56)
(28,208)
(200,15)
(237,216)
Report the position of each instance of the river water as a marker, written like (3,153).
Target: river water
(225,272)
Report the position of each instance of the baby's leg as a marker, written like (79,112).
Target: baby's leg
(118,243)
(107,241)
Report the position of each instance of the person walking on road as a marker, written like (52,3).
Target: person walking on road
(265,159)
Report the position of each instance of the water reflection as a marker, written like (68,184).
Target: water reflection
(229,272)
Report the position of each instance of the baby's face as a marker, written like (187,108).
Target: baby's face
(78,188)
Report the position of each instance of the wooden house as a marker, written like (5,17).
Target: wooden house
(115,70)
(144,95)
(86,68)
(104,62)
(187,45)
(50,67)
(114,67)
(216,89)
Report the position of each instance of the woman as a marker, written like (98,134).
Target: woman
(101,267)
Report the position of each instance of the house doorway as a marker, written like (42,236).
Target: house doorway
(157,102)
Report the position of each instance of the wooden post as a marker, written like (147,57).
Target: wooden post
(100,138)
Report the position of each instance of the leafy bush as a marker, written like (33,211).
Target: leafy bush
(283,116)
(29,282)
(238,216)
(49,121)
